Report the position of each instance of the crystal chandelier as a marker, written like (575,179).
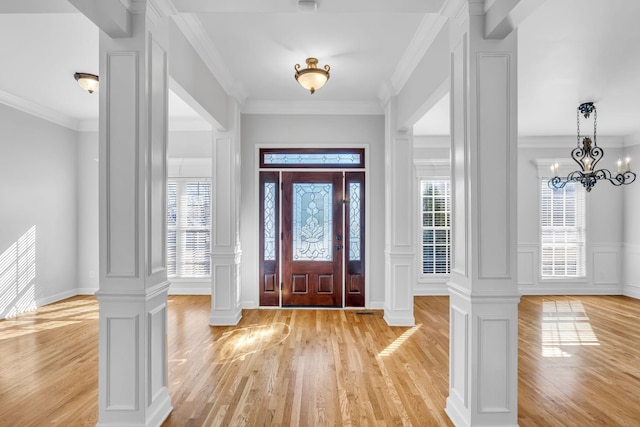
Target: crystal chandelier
(587,154)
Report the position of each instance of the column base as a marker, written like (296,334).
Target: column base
(225,318)
(133,357)
(398,318)
(483,359)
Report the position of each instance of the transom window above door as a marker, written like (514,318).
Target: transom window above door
(282,158)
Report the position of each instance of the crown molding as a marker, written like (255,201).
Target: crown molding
(429,28)
(567,142)
(195,33)
(312,107)
(37,110)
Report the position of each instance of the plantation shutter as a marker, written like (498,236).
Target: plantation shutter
(562,231)
(188,228)
(436,227)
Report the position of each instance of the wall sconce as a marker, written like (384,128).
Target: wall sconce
(88,82)
(312,77)
(586,155)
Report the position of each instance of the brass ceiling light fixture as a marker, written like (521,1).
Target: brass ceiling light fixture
(88,82)
(312,78)
(587,154)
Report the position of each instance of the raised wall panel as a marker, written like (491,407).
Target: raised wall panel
(459,149)
(122,164)
(527,268)
(605,267)
(325,283)
(222,282)
(458,371)
(157,344)
(493,362)
(493,103)
(402,274)
(222,232)
(403,176)
(122,364)
(300,284)
(158,155)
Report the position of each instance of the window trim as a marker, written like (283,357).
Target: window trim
(265,151)
(430,170)
(186,180)
(544,172)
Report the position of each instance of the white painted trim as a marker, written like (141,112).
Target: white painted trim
(367,213)
(313,107)
(428,30)
(37,110)
(197,36)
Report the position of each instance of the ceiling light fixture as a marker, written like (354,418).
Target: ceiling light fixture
(88,82)
(312,78)
(587,154)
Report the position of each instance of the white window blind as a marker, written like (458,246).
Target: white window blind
(562,231)
(188,227)
(436,226)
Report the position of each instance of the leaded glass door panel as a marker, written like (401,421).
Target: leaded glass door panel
(312,238)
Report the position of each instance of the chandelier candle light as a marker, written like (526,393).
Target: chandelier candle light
(587,154)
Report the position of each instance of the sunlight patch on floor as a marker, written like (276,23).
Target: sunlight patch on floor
(391,348)
(565,323)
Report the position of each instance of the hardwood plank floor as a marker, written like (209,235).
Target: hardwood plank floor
(579,365)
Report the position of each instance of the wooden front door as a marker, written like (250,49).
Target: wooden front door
(312,238)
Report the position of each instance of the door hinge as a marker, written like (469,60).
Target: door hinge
(282,186)
(281,285)
(282,235)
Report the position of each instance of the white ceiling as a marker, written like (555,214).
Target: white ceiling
(570,51)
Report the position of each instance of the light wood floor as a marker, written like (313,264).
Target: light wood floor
(579,365)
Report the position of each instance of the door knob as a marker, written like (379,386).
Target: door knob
(338,247)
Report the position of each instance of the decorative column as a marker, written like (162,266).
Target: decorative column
(225,243)
(483,342)
(399,230)
(133,173)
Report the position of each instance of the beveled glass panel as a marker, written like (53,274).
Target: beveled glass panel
(269,221)
(354,221)
(312,158)
(312,221)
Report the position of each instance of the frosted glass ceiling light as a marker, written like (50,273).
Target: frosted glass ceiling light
(586,155)
(312,78)
(88,82)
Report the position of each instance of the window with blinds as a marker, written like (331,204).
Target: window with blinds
(562,231)
(188,227)
(436,226)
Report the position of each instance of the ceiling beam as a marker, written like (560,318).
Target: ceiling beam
(323,6)
(503,16)
(36,6)
(111,16)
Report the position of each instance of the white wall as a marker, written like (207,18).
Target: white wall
(631,235)
(613,234)
(312,131)
(604,217)
(189,156)
(38,194)
(431,161)
(88,215)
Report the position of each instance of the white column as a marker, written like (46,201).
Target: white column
(399,230)
(133,279)
(225,243)
(483,352)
